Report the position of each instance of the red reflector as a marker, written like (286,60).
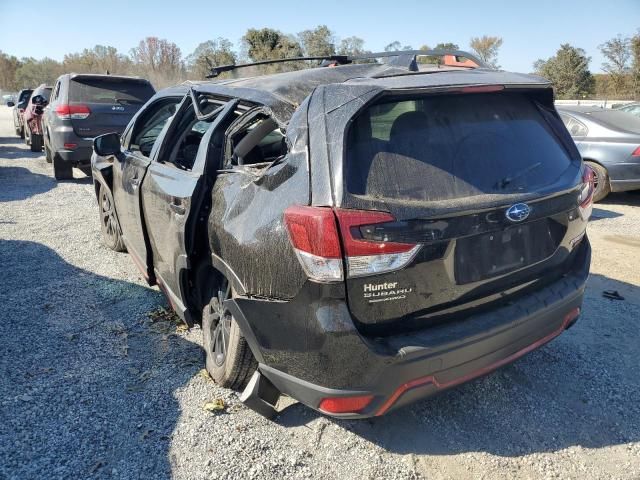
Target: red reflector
(70,145)
(73,111)
(345,404)
(588,187)
(482,89)
(313,230)
(571,316)
(636,152)
(354,244)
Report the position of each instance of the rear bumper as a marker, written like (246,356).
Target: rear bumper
(80,155)
(402,369)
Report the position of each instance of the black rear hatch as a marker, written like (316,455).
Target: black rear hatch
(485,183)
(111,102)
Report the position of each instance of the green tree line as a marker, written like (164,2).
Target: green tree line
(163,63)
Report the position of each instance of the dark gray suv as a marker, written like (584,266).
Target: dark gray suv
(83,106)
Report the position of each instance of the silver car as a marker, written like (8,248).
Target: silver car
(609,142)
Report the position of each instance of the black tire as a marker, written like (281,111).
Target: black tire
(62,170)
(109,225)
(86,171)
(20,132)
(36,143)
(48,156)
(601,177)
(228,357)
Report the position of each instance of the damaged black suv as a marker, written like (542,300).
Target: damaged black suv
(356,237)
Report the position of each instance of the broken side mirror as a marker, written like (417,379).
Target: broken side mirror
(107,144)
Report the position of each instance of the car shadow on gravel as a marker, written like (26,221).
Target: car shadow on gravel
(621,198)
(581,390)
(87,381)
(20,183)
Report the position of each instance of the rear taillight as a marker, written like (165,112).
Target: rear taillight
(75,112)
(585,198)
(636,152)
(315,238)
(369,257)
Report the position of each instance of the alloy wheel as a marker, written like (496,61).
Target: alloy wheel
(221,325)
(108,216)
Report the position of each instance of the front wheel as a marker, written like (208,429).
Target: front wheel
(600,180)
(229,360)
(109,225)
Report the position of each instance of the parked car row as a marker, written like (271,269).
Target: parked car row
(64,119)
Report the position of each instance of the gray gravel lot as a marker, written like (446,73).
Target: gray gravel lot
(92,387)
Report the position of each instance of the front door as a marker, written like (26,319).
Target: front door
(128,173)
(173,189)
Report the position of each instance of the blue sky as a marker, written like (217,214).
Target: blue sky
(531,30)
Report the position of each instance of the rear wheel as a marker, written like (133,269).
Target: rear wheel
(36,143)
(47,153)
(111,233)
(20,132)
(62,170)
(601,181)
(229,360)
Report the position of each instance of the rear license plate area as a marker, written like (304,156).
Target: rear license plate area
(496,253)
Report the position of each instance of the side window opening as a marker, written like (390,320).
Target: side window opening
(259,142)
(575,127)
(148,127)
(187,136)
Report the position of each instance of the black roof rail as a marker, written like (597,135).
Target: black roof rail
(402,58)
(215,71)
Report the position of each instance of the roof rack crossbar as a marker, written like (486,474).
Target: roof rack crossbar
(405,58)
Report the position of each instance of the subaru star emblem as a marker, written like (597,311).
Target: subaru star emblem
(518,212)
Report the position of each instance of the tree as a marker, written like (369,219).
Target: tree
(487,48)
(159,60)
(317,42)
(268,44)
(569,72)
(617,52)
(208,54)
(397,46)
(351,46)
(99,59)
(447,46)
(635,64)
(8,67)
(32,72)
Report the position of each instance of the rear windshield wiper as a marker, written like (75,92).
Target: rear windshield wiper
(128,101)
(510,178)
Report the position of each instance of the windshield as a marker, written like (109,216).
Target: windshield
(450,146)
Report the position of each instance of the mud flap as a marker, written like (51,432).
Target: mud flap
(261,396)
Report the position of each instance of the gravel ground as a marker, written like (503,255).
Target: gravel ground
(97,382)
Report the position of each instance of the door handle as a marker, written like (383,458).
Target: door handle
(177,209)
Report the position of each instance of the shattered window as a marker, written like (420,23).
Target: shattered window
(451,146)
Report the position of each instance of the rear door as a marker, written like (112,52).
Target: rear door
(104,104)
(129,171)
(171,188)
(472,195)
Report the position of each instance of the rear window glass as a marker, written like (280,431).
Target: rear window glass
(24,95)
(99,90)
(451,146)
